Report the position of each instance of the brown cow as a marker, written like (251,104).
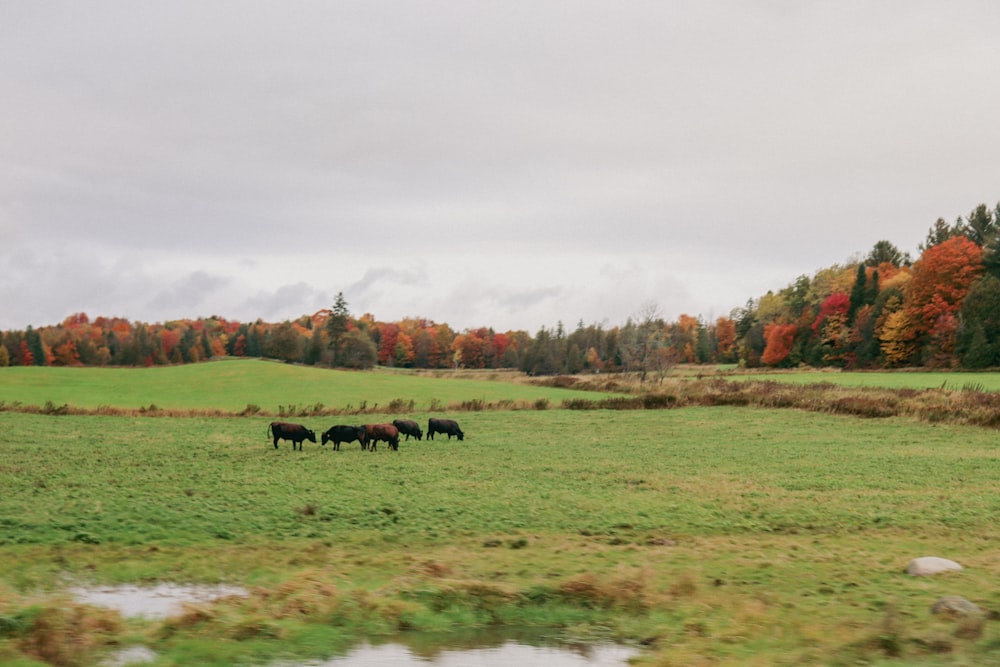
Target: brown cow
(385,432)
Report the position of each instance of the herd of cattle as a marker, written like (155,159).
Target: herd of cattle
(369,435)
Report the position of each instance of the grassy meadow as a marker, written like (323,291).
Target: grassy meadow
(232,385)
(706,535)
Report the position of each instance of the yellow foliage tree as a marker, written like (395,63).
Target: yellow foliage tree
(898,337)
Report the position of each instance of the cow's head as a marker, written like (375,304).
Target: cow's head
(310,435)
(326,438)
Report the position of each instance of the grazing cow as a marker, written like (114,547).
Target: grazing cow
(384,432)
(408,427)
(446,426)
(341,433)
(294,432)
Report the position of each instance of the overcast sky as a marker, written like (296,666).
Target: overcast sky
(508,163)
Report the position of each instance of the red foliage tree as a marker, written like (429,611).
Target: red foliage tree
(837,303)
(25,357)
(500,344)
(388,333)
(169,338)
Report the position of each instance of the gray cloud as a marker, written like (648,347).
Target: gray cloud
(191,293)
(532,162)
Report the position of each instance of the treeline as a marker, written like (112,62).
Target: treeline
(882,311)
(362,342)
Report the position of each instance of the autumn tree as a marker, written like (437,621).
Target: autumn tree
(683,339)
(836,304)
(403,354)
(469,350)
(941,278)
(898,339)
(24,354)
(779,339)
(725,339)
(939,348)
(388,332)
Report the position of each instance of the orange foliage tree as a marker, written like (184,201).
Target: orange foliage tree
(940,280)
(725,339)
(779,339)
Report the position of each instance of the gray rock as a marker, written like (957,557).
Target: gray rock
(928,565)
(954,605)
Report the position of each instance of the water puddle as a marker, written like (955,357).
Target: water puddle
(135,655)
(508,654)
(158,601)
(498,650)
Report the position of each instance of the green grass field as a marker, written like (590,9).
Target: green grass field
(231,385)
(711,536)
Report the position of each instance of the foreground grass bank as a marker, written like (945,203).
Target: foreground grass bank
(715,536)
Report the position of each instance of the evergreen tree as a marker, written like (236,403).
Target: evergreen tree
(980,227)
(336,327)
(885,252)
(979,353)
(858,293)
(255,341)
(187,345)
(314,353)
(34,341)
(206,345)
(980,312)
(940,232)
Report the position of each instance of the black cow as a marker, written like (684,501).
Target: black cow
(408,427)
(294,432)
(341,433)
(384,432)
(446,426)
